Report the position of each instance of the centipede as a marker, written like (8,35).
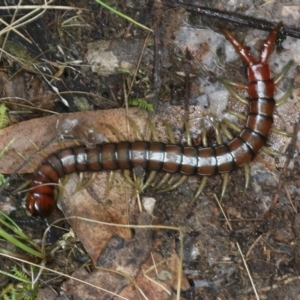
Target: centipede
(172,158)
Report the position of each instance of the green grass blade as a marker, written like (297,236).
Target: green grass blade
(9,238)
(122,15)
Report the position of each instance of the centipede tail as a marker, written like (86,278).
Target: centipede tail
(171,158)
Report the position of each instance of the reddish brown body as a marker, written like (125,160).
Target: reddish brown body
(165,157)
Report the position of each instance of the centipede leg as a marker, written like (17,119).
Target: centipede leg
(217,131)
(175,185)
(231,125)
(225,177)
(228,84)
(137,184)
(204,178)
(226,131)
(246,167)
(170,133)
(270,152)
(203,134)
(128,178)
(286,95)
(166,176)
(80,186)
(110,180)
(149,180)
(135,129)
(44,154)
(247,177)
(278,102)
(200,189)
(116,132)
(282,132)
(283,72)
(30,163)
(225,181)
(188,133)
(237,114)
(155,138)
(273,129)
(183,178)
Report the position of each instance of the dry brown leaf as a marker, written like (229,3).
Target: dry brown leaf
(122,256)
(97,207)
(25,89)
(89,203)
(43,133)
(152,289)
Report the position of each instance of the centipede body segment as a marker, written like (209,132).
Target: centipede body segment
(171,158)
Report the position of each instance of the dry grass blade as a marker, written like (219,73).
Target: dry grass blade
(31,16)
(239,249)
(177,229)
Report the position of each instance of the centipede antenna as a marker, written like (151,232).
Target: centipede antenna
(174,185)
(30,163)
(233,93)
(224,185)
(116,132)
(136,131)
(236,114)
(283,72)
(286,95)
(282,132)
(268,151)
(247,177)
(200,189)
(231,125)
(164,179)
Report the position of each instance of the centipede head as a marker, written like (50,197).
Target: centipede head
(39,205)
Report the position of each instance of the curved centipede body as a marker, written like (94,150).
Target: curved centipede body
(172,158)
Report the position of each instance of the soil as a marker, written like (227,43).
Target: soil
(87,59)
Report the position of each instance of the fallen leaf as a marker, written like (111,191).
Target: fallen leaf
(43,133)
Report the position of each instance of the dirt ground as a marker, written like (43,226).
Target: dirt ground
(84,65)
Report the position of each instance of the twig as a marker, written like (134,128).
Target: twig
(234,18)
(158,45)
(290,199)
